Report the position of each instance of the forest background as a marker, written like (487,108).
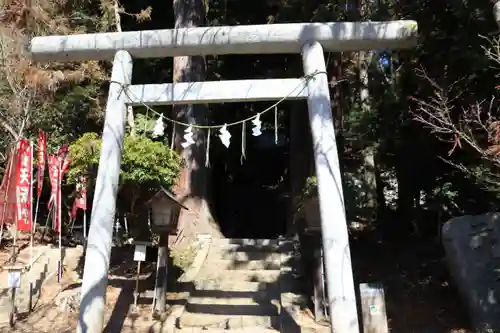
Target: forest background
(418,129)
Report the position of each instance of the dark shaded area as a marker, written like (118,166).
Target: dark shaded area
(251,195)
(420,296)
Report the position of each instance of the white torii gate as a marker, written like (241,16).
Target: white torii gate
(309,39)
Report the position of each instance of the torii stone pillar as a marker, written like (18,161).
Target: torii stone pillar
(309,39)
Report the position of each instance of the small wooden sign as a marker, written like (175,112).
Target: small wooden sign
(140,252)
(373,308)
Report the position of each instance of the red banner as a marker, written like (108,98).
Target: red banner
(81,197)
(41,154)
(65,165)
(63,152)
(53,164)
(63,157)
(58,165)
(23,186)
(8,191)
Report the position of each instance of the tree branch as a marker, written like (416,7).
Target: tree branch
(475,126)
(8,128)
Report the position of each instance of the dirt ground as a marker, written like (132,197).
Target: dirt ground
(56,311)
(49,318)
(420,298)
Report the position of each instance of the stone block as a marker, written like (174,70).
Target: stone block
(471,245)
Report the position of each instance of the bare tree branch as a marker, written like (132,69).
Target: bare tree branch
(476,126)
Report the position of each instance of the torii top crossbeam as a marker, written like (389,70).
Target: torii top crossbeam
(243,39)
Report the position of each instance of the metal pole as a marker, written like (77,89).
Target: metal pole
(59,223)
(72,225)
(1,233)
(14,245)
(95,274)
(32,232)
(340,282)
(31,211)
(36,213)
(13,289)
(85,224)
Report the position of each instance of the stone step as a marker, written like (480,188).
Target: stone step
(234,297)
(226,321)
(245,241)
(287,245)
(211,286)
(252,265)
(289,260)
(233,306)
(267,276)
(236,288)
(246,245)
(221,330)
(245,248)
(159,327)
(41,270)
(240,255)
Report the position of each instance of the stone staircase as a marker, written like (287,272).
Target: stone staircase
(237,288)
(44,267)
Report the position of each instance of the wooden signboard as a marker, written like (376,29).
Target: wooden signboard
(140,252)
(14,283)
(14,279)
(373,308)
(14,276)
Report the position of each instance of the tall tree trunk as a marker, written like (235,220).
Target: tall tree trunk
(369,154)
(193,186)
(301,162)
(339,106)
(118,25)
